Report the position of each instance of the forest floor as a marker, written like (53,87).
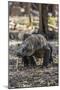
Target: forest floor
(22,77)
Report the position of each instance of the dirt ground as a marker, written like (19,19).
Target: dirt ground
(22,77)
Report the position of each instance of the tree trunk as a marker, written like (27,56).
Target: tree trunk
(54,10)
(40,18)
(43,18)
(27,9)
